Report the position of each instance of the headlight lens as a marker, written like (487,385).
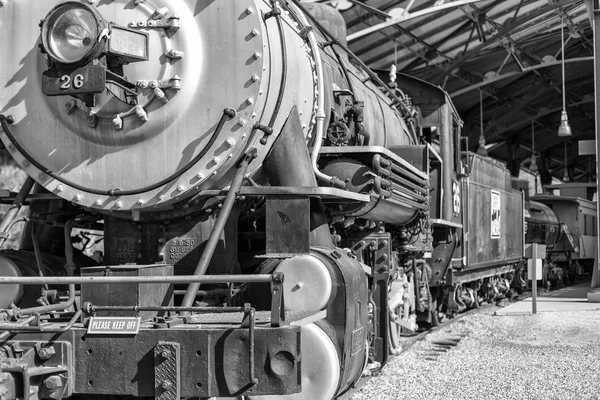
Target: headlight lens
(70,32)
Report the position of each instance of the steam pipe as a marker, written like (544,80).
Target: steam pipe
(14,209)
(215,235)
(320,115)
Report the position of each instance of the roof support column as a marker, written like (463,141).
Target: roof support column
(594,10)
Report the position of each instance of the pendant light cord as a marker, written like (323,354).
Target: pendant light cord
(562,43)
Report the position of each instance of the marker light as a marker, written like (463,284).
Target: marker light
(70,32)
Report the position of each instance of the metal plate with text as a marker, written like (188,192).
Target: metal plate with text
(73,81)
(114,326)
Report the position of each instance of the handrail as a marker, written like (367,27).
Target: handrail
(98,280)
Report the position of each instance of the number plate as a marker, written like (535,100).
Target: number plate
(61,82)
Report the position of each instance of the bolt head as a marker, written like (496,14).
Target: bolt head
(165,354)
(53,382)
(166,385)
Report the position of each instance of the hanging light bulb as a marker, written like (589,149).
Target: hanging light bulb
(533,166)
(564,130)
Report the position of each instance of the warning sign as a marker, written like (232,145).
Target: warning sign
(495,220)
(114,325)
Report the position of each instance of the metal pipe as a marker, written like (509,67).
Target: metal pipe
(52,307)
(91,308)
(215,235)
(14,209)
(253,379)
(26,322)
(320,114)
(206,293)
(79,280)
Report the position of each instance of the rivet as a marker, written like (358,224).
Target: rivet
(119,205)
(230,142)
(260,93)
(242,122)
(229,156)
(26,163)
(141,24)
(254,32)
(142,84)
(214,173)
(249,10)
(60,188)
(181,188)
(256,55)
(141,202)
(253,115)
(216,160)
(250,100)
(255,78)
(42,177)
(11,147)
(151,24)
(161,196)
(77,198)
(199,175)
(98,203)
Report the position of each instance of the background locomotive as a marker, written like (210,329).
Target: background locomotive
(239,146)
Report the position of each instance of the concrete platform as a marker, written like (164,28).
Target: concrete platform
(572,298)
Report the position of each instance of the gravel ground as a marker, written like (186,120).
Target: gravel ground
(552,355)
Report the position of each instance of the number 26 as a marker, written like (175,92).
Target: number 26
(78,82)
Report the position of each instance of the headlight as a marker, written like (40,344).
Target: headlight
(70,32)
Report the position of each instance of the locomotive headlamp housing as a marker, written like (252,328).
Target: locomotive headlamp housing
(72,33)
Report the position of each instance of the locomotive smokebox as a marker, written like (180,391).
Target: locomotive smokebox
(118,106)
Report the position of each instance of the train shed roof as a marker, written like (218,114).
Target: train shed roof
(499,56)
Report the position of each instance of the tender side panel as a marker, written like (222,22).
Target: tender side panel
(495,220)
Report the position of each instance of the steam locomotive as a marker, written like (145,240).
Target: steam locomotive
(273,215)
